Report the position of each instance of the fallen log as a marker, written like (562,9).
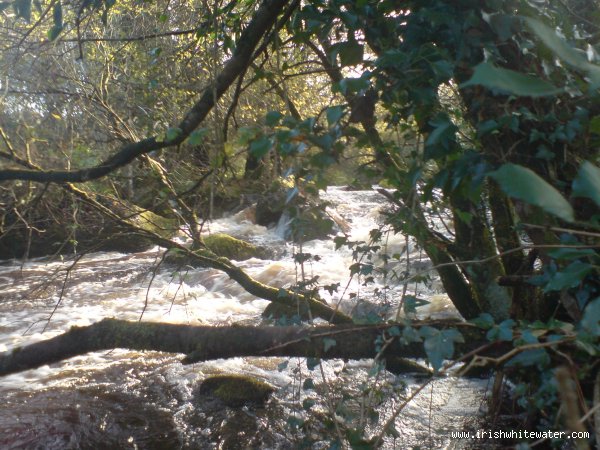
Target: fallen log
(201,343)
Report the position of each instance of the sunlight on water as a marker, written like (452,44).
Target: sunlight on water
(122,398)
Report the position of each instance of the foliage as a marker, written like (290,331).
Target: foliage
(474,113)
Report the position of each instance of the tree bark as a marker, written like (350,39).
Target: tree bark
(202,343)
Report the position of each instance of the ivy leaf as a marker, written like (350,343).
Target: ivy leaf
(524,184)
(594,125)
(357,441)
(510,82)
(410,335)
(570,253)
(411,303)
(484,321)
(439,345)
(587,182)
(501,332)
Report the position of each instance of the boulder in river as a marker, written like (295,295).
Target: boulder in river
(236,390)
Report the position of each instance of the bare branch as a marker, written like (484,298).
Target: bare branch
(260,24)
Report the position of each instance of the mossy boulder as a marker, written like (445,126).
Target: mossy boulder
(236,390)
(222,244)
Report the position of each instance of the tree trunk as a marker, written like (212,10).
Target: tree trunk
(202,343)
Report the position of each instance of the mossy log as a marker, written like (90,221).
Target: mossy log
(202,343)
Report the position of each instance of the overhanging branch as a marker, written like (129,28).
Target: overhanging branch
(260,24)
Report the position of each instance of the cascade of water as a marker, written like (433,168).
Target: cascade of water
(128,399)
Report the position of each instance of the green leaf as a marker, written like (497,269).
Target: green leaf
(501,332)
(570,253)
(357,441)
(260,147)
(57,15)
(524,184)
(591,317)
(334,114)
(282,365)
(439,345)
(54,32)
(308,403)
(536,357)
(351,53)
(510,82)
(443,129)
(351,85)
(564,51)
(484,320)
(411,303)
(172,134)
(410,335)
(196,136)
(587,182)
(569,277)
(594,125)
(273,118)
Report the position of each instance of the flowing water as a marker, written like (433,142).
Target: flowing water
(147,400)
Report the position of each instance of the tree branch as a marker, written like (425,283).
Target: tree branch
(260,24)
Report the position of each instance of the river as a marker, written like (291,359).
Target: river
(147,400)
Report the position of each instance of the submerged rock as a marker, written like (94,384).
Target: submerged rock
(236,390)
